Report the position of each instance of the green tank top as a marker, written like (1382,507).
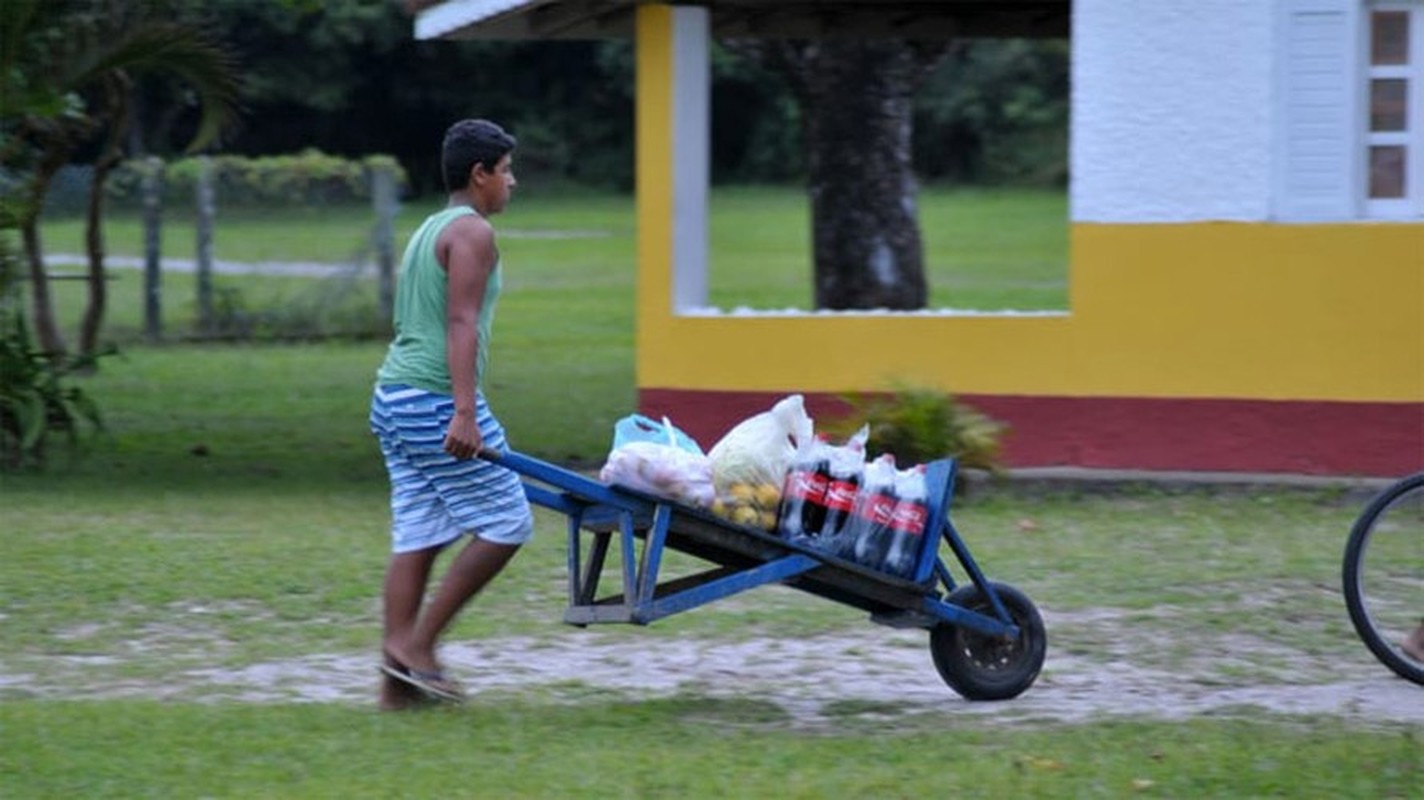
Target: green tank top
(416,356)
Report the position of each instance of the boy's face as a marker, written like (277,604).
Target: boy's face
(494,188)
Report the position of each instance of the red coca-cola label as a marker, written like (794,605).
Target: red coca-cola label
(806,486)
(878,509)
(840,495)
(910,516)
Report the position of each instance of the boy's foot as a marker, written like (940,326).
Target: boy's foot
(431,684)
(1414,645)
(400,696)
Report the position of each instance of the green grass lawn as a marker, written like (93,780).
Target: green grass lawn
(236,514)
(984,249)
(676,748)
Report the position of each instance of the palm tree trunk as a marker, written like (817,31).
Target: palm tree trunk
(94,309)
(98,298)
(42,306)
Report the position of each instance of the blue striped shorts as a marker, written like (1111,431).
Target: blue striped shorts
(435,497)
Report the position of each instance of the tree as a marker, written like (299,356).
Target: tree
(996,112)
(857,100)
(67,73)
(350,78)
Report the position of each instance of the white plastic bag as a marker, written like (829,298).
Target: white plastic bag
(749,463)
(665,463)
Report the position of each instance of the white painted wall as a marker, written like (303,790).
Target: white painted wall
(1172,110)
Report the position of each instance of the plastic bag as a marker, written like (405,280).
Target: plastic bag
(638,428)
(749,463)
(658,459)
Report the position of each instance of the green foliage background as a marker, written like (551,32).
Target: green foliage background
(351,77)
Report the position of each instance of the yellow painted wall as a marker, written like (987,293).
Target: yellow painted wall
(1332,312)
(1211,310)
(653,180)
(1226,310)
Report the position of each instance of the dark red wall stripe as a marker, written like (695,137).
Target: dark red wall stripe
(1294,437)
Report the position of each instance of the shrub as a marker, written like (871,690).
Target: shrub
(920,425)
(310,177)
(35,402)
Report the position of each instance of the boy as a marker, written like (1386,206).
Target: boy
(430,415)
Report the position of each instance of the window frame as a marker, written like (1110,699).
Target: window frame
(1411,205)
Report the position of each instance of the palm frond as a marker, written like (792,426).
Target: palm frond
(183,52)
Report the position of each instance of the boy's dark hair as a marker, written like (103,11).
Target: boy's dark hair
(470,142)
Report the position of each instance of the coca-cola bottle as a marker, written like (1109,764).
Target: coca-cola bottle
(907,522)
(864,537)
(803,494)
(847,464)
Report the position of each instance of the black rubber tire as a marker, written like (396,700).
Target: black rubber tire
(1352,576)
(981,667)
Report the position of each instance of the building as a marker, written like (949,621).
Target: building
(1246,247)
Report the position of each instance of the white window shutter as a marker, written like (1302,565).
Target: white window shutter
(1318,124)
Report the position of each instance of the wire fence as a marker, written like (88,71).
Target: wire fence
(349,298)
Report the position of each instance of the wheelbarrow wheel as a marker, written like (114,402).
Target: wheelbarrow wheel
(983,667)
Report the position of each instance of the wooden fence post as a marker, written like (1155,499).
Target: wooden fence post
(152,249)
(385,203)
(204,266)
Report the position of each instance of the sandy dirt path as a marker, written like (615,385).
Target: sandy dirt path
(871,669)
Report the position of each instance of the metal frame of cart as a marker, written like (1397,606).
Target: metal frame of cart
(987,638)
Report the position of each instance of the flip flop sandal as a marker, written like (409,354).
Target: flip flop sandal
(398,693)
(434,684)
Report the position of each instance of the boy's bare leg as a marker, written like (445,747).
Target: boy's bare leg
(1414,645)
(406,578)
(470,571)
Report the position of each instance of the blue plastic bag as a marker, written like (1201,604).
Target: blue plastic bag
(638,428)
(658,459)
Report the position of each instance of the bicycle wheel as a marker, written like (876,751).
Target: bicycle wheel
(1383,574)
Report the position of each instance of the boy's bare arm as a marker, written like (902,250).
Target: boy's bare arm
(469,257)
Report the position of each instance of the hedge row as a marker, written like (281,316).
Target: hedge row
(310,177)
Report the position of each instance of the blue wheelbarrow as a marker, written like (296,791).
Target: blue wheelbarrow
(987,639)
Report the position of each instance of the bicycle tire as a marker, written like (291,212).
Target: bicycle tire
(1384,647)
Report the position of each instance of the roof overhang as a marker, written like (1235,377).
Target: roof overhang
(773,19)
